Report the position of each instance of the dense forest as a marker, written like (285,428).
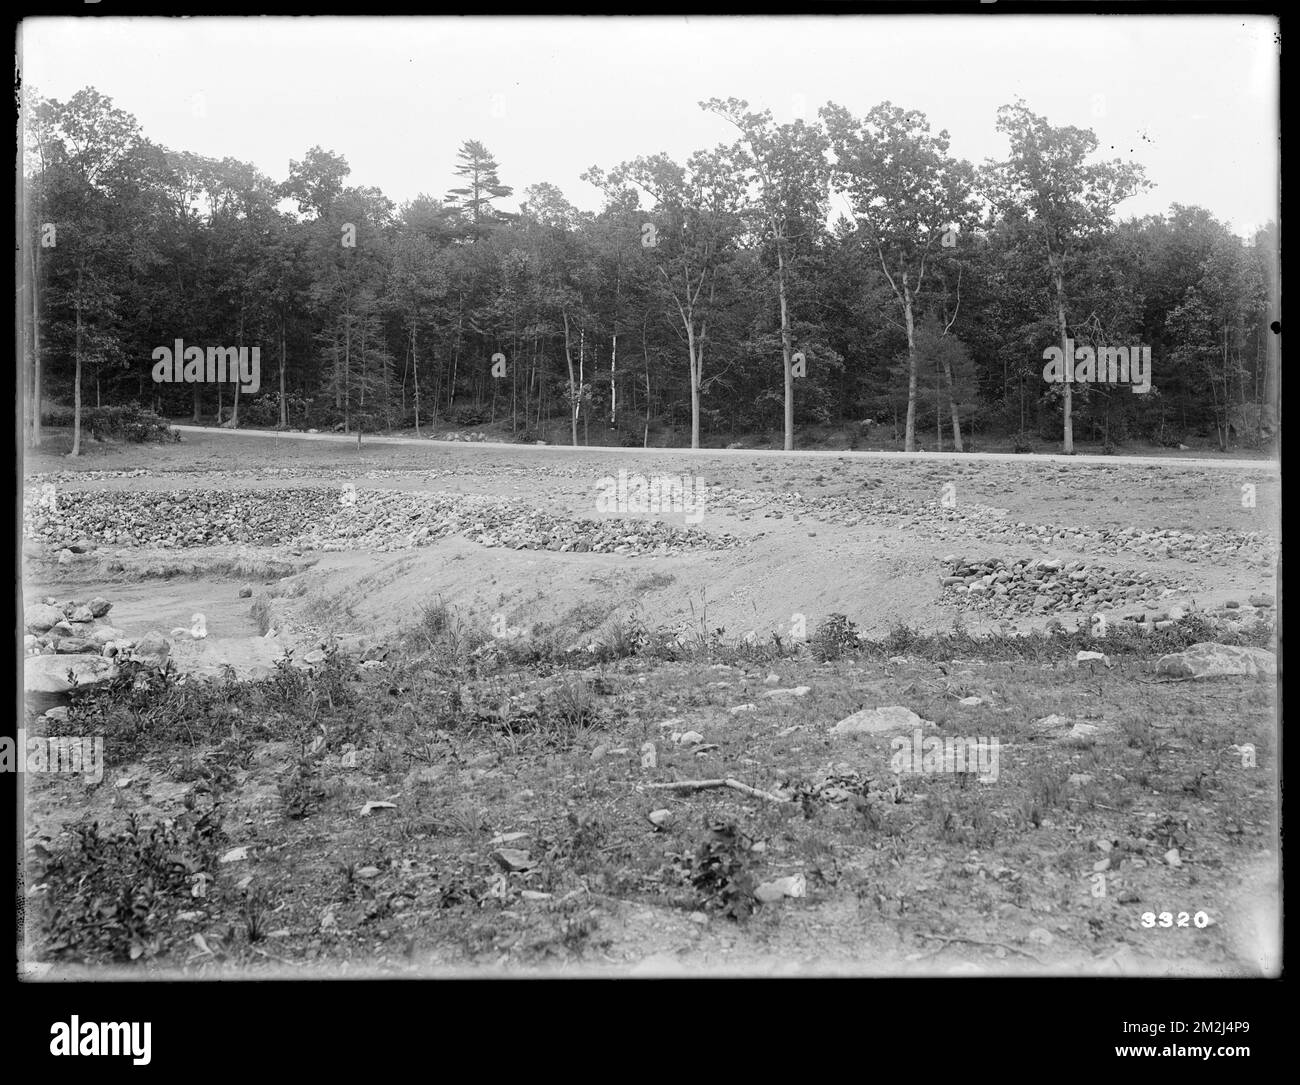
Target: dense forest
(843,273)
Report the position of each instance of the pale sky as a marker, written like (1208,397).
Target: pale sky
(1193,98)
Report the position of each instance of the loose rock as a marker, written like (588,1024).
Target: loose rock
(878,721)
(1210,659)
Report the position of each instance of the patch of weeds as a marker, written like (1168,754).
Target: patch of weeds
(562,719)
(1172,832)
(300,790)
(834,637)
(585,617)
(115,898)
(234,752)
(144,703)
(435,622)
(721,870)
(1141,736)
(626,638)
(441,634)
(573,708)
(1047,790)
(900,639)
(962,818)
(587,834)
(701,643)
(286,687)
(332,680)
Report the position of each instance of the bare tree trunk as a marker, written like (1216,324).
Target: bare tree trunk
(532,378)
(696,367)
(347,372)
(645,352)
(909,435)
(406,368)
(573,394)
(952,403)
(234,413)
(415,369)
(613,349)
(785,348)
(938,418)
(1059,279)
(364,365)
(455,359)
(338,377)
(76,385)
(582,382)
(284,406)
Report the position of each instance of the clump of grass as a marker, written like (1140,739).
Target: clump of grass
(254,911)
(574,707)
(444,638)
(1047,790)
(1140,735)
(834,637)
(962,818)
(626,638)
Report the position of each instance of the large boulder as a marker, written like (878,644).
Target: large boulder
(41,617)
(99,607)
(1210,659)
(60,673)
(152,649)
(889,720)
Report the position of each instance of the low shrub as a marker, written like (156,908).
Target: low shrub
(112,899)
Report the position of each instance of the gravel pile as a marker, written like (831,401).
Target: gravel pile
(317,518)
(1043,586)
(985,523)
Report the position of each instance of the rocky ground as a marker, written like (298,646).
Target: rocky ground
(1158,582)
(340,519)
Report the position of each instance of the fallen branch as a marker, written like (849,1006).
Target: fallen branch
(735,785)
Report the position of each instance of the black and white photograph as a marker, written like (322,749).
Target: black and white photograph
(647,497)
